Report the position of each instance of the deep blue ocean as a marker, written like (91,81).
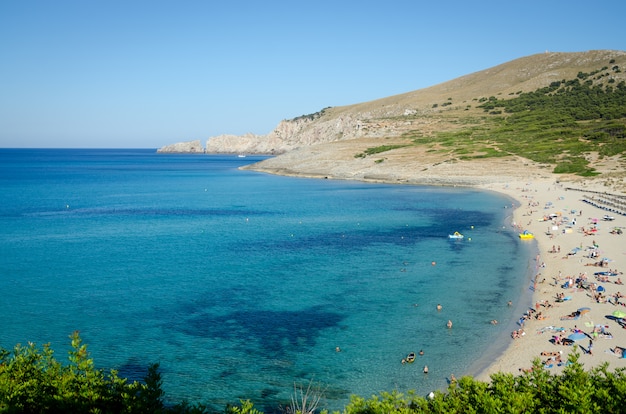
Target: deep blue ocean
(242,284)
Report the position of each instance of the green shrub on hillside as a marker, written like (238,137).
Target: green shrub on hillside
(558,124)
(378,150)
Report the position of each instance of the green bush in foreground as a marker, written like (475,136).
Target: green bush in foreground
(537,391)
(32,381)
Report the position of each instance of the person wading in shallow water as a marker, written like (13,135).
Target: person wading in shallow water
(449,324)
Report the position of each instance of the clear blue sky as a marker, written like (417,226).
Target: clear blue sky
(143,74)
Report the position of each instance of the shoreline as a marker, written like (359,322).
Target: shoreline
(538,194)
(539,198)
(525,298)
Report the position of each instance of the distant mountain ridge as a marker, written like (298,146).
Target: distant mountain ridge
(425,109)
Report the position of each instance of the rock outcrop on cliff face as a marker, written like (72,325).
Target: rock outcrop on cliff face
(328,125)
(183,147)
(244,144)
(288,135)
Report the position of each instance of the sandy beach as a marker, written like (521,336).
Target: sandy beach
(576,242)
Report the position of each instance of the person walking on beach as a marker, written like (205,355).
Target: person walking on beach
(590,346)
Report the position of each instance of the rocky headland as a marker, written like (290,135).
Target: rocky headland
(187,147)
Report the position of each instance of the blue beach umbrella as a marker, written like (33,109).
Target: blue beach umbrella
(577,336)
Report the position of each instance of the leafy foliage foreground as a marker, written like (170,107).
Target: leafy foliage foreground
(33,381)
(537,391)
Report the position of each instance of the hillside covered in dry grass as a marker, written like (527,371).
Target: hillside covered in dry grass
(467,131)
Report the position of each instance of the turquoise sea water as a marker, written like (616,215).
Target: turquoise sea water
(241,284)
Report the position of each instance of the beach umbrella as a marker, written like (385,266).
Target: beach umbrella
(600,289)
(577,336)
(619,314)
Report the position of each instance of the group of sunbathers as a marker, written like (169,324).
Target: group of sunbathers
(600,331)
(551,353)
(560,297)
(531,314)
(555,357)
(580,282)
(517,334)
(559,340)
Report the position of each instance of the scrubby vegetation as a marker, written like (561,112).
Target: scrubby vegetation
(561,125)
(378,150)
(313,116)
(33,381)
(538,391)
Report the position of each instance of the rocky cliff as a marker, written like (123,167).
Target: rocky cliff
(183,147)
(328,125)
(288,135)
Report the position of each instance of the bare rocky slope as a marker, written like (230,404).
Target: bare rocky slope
(324,144)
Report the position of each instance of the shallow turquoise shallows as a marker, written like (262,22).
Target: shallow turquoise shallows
(240,284)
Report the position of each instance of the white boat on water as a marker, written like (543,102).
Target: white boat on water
(456,235)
